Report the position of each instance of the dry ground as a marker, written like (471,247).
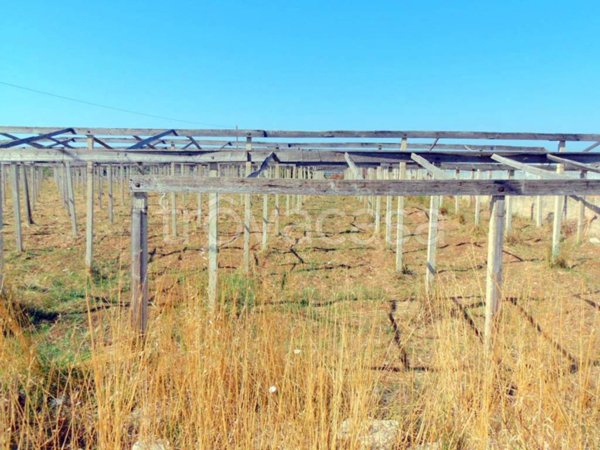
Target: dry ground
(323,320)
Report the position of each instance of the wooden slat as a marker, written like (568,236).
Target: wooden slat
(435,171)
(391,134)
(365,187)
(574,164)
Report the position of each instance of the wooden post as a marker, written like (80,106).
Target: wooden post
(457,197)
(100,177)
(71,198)
(247,219)
(378,205)
(277,206)
(508,206)
(400,223)
(558,210)
(199,201)
(173,206)
(139,262)
(477,202)
(111,216)
(3,175)
(122,183)
(89,220)
(388,213)
(493,282)
(538,211)
(265,222)
(581,213)
(213,244)
(28,215)
(17,208)
(430,270)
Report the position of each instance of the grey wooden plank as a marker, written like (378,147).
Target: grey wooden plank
(366,187)
(391,134)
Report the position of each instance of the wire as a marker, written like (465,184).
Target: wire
(98,105)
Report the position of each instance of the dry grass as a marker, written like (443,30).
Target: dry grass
(301,345)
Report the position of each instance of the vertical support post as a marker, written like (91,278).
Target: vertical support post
(17,208)
(477,202)
(173,206)
(213,244)
(558,210)
(247,220)
(265,222)
(400,222)
(122,183)
(199,201)
(3,175)
(538,211)
(508,206)
(89,220)
(277,206)
(139,262)
(388,213)
(378,205)
(430,270)
(493,282)
(71,198)
(111,216)
(581,213)
(28,215)
(457,197)
(100,173)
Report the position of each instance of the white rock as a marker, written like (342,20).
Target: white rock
(373,435)
(150,445)
(595,240)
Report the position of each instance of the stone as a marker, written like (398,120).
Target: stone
(373,434)
(150,445)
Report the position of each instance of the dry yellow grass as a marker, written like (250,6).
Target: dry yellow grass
(303,344)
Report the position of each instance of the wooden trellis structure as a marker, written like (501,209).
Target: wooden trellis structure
(376,164)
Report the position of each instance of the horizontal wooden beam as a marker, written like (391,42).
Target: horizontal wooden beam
(574,164)
(383,134)
(365,187)
(464,160)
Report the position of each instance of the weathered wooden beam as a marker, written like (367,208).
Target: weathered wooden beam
(27,197)
(392,134)
(366,187)
(400,223)
(559,201)
(139,262)
(213,242)
(71,199)
(493,282)
(89,220)
(173,205)
(574,164)
(17,208)
(353,167)
(431,168)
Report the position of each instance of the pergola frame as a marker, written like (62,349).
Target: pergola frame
(356,153)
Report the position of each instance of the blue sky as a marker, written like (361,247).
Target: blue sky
(471,65)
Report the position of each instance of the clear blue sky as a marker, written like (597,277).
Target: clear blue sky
(472,65)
